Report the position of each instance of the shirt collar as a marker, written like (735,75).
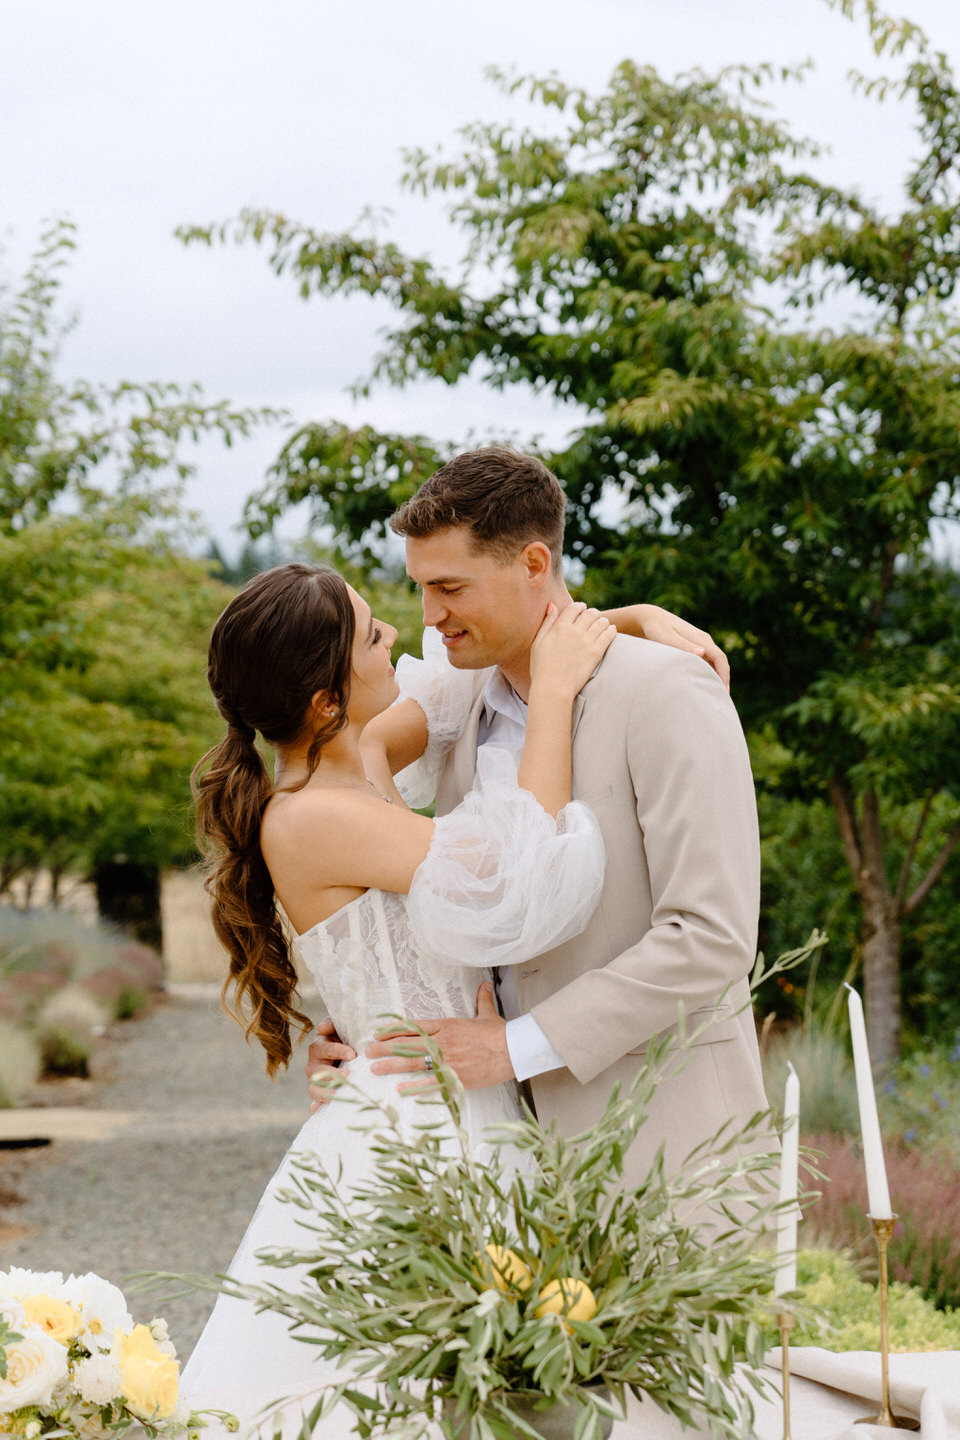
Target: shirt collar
(500,698)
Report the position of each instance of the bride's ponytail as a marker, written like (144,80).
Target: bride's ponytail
(288,634)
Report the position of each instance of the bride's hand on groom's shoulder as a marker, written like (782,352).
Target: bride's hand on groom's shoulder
(652,622)
(327,1064)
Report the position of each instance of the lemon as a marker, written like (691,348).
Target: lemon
(506,1269)
(573,1299)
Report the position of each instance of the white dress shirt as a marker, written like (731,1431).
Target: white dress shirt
(504,723)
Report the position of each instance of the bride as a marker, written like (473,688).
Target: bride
(385,903)
(393,913)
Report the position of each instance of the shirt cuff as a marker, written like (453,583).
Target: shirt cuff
(530,1051)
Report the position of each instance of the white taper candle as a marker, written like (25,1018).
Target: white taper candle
(785,1277)
(878,1193)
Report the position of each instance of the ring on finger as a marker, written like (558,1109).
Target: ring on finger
(428,1062)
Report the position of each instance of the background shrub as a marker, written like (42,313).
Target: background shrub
(67,1028)
(61,981)
(849,1314)
(828,1091)
(925,1192)
(921,1103)
(19,1064)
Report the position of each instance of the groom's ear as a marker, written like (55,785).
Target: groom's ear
(537,562)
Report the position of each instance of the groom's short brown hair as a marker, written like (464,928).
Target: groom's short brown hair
(505,499)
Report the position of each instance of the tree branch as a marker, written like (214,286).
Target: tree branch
(910,856)
(847,819)
(935,871)
(872,832)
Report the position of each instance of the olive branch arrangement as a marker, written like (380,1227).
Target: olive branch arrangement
(465,1289)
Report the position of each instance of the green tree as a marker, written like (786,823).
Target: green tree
(103,706)
(103,710)
(661,256)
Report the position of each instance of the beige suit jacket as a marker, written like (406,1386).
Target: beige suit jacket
(660,758)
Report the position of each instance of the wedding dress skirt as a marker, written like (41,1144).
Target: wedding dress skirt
(502,882)
(245,1361)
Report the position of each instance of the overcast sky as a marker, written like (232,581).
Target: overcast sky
(134,116)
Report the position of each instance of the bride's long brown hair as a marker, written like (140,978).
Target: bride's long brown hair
(286,635)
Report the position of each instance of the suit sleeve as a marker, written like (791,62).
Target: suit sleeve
(696,809)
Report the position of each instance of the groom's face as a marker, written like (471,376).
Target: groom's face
(487,612)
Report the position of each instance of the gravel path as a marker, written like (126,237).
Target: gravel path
(173,1186)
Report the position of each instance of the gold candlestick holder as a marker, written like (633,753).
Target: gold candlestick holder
(785,1323)
(883,1233)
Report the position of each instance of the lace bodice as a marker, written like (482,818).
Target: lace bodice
(366,964)
(502,881)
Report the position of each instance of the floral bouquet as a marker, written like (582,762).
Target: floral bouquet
(73,1363)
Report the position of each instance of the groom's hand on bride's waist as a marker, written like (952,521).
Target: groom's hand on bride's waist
(475,1049)
(327,1063)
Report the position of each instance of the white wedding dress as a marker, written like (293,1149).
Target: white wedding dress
(501,883)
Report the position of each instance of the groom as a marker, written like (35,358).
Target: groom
(660,759)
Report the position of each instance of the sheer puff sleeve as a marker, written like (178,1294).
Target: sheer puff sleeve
(503,880)
(446,696)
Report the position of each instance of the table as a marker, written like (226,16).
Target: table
(830,1392)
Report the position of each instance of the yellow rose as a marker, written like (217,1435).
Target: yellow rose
(573,1299)
(54,1317)
(149,1378)
(506,1269)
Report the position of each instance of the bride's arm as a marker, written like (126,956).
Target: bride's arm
(557,675)
(342,837)
(398,738)
(652,622)
(393,740)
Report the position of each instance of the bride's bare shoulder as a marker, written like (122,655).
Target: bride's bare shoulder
(316,815)
(327,837)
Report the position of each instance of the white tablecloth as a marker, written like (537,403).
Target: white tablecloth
(830,1393)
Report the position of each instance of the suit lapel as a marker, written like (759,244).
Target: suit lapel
(580,702)
(578,705)
(465,754)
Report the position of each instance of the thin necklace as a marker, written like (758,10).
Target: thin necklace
(353,785)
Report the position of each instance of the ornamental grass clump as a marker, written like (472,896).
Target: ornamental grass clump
(67,1027)
(925,1190)
(822,1059)
(19,1064)
(61,981)
(463,1289)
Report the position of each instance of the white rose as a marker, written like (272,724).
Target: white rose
(35,1365)
(102,1308)
(12,1312)
(159,1328)
(98,1380)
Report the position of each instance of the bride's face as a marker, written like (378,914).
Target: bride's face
(373,685)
